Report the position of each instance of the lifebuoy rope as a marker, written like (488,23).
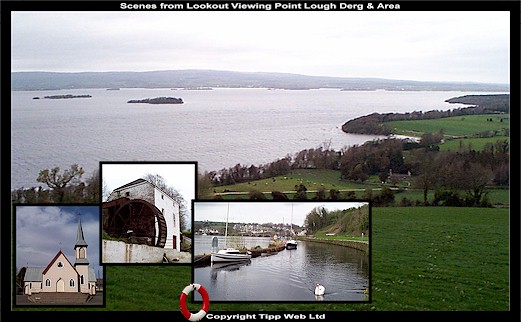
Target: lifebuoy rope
(206,302)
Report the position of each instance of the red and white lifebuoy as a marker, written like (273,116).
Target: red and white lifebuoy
(206,302)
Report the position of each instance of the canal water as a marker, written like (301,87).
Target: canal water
(290,275)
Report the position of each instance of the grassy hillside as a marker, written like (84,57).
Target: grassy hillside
(453,126)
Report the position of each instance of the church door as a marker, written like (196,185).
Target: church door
(60,286)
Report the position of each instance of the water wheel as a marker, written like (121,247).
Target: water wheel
(135,219)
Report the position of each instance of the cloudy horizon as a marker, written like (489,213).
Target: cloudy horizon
(455,46)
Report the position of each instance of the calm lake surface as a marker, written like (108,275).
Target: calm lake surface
(290,275)
(218,128)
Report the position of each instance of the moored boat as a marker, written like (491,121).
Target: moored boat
(228,254)
(291,244)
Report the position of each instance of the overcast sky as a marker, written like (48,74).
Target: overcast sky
(180,176)
(41,231)
(425,46)
(264,212)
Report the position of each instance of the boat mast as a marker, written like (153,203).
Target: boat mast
(291,220)
(226,229)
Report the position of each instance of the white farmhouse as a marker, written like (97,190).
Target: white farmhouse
(141,189)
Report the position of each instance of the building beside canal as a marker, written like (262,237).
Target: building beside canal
(60,276)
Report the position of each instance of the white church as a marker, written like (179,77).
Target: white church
(62,276)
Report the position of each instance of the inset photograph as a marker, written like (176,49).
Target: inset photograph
(146,213)
(57,255)
(282,251)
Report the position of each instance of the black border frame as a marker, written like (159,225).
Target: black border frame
(54,205)
(101,207)
(513,6)
(289,301)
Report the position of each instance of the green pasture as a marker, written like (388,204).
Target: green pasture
(453,126)
(495,196)
(329,179)
(313,179)
(467,144)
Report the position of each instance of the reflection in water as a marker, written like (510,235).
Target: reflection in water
(227,266)
(290,275)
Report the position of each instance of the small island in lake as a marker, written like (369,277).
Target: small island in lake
(64,96)
(159,100)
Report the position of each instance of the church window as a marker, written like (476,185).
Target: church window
(162,197)
(71,283)
(81,280)
(127,194)
(60,265)
(48,282)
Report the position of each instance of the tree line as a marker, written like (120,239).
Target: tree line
(448,173)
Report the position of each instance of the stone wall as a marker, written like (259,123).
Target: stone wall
(120,252)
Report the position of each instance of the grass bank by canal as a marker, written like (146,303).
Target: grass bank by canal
(356,244)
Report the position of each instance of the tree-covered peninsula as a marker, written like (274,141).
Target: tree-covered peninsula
(481,104)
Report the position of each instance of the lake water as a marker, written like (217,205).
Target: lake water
(218,128)
(290,275)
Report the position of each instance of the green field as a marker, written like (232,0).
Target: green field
(465,144)
(453,126)
(496,196)
(423,259)
(329,179)
(313,179)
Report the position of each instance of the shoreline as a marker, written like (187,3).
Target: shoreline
(360,245)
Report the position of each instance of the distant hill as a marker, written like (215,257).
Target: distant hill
(227,79)
(500,102)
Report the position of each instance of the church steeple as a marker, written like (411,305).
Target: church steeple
(81,245)
(80,240)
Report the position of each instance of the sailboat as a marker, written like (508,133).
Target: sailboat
(227,254)
(292,243)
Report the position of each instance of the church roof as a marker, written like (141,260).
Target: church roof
(33,274)
(92,275)
(54,259)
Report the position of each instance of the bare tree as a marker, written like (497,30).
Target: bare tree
(160,183)
(58,182)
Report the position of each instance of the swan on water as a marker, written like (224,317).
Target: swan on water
(320,289)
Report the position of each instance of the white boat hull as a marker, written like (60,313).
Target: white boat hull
(227,257)
(291,244)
